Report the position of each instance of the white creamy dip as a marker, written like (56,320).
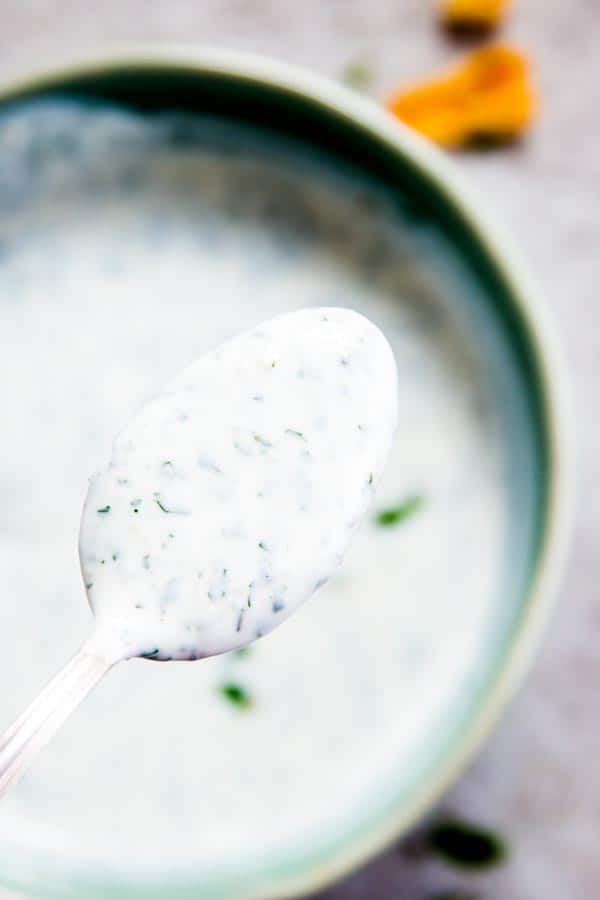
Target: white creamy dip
(129,246)
(234,494)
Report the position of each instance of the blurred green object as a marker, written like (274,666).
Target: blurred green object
(396,514)
(236,694)
(358,74)
(466,845)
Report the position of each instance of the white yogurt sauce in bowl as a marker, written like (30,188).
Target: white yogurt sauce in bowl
(129,246)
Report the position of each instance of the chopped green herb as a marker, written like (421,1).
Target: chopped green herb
(241,653)
(262,440)
(370,480)
(159,503)
(146,561)
(358,74)
(165,509)
(296,433)
(115,556)
(104,509)
(135,504)
(236,694)
(262,545)
(396,514)
(466,845)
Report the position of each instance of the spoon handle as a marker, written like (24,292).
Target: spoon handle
(44,716)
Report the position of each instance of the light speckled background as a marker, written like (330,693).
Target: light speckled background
(538,779)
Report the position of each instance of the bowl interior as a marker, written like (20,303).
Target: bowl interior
(311,177)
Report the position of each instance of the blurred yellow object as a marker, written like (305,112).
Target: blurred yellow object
(473,14)
(487,96)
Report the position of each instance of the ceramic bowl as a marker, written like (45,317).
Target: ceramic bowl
(341,124)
